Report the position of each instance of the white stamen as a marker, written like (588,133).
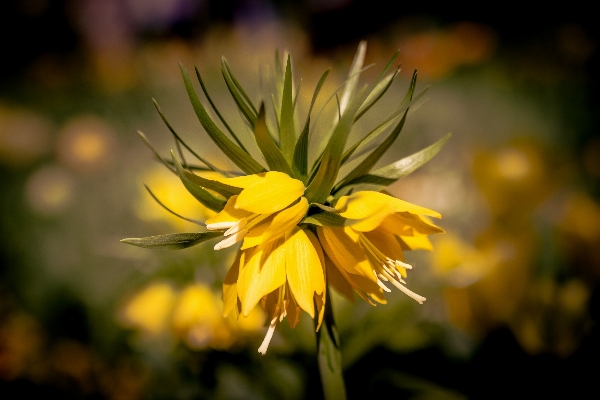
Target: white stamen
(231,240)
(402,264)
(220,225)
(381,285)
(420,299)
(235,228)
(265,343)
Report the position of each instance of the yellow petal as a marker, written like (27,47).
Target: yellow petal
(273,192)
(417,242)
(343,247)
(229,214)
(276,225)
(371,208)
(386,243)
(292,310)
(262,270)
(406,224)
(241,181)
(230,298)
(337,280)
(303,269)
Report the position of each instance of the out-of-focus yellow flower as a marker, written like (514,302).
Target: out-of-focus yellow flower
(149,310)
(87,144)
(50,190)
(515,178)
(198,320)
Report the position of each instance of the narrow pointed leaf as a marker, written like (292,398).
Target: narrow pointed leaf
(287,129)
(385,176)
(162,160)
(179,140)
(214,202)
(237,155)
(172,241)
(216,110)
(326,175)
(269,149)
(380,86)
(365,166)
(403,107)
(239,96)
(160,203)
(353,75)
(376,94)
(300,164)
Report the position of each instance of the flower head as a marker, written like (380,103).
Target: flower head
(300,227)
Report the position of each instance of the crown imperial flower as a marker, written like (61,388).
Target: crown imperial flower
(303,228)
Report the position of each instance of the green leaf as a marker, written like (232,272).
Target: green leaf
(160,203)
(381,85)
(287,129)
(236,154)
(300,164)
(365,166)
(353,75)
(239,95)
(267,146)
(172,241)
(216,110)
(215,203)
(385,176)
(162,160)
(404,106)
(208,164)
(328,169)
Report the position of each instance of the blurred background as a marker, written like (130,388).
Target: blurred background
(512,290)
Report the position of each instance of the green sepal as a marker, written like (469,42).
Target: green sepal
(300,165)
(214,202)
(172,241)
(287,129)
(236,154)
(267,146)
(239,95)
(385,176)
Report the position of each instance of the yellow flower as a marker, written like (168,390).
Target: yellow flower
(301,225)
(369,252)
(280,263)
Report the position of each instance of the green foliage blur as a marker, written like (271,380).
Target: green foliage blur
(513,282)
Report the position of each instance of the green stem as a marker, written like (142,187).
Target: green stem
(329,356)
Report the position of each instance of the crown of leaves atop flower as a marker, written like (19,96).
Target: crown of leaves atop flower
(286,150)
